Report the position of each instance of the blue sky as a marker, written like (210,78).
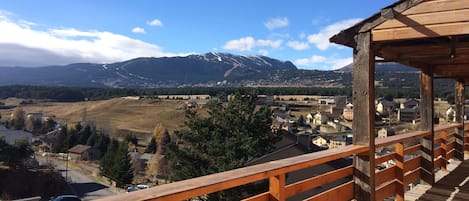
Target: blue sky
(49,32)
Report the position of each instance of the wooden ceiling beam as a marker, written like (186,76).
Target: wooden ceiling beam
(417,32)
(444,17)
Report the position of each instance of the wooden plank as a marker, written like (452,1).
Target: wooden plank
(426,116)
(216,182)
(412,149)
(450,154)
(425,19)
(342,192)
(261,197)
(385,158)
(437,6)
(364,109)
(459,100)
(385,175)
(311,183)
(386,190)
(400,171)
(438,152)
(424,31)
(411,177)
(412,164)
(438,140)
(381,142)
(438,162)
(277,187)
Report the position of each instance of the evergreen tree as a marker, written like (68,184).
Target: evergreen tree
(123,170)
(84,134)
(228,138)
(61,144)
(116,163)
(151,147)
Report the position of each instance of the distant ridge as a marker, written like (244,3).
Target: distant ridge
(380,67)
(194,69)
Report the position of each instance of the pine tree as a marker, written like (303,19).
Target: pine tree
(227,139)
(123,170)
(151,147)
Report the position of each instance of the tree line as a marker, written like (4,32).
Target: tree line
(115,162)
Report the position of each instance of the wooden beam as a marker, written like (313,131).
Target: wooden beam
(400,172)
(437,6)
(426,116)
(444,17)
(364,109)
(277,187)
(421,31)
(346,37)
(459,100)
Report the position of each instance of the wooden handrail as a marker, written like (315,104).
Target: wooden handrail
(216,182)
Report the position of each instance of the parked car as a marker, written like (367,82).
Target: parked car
(66,198)
(137,187)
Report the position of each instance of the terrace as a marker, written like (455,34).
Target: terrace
(431,35)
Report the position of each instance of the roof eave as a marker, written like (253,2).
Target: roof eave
(347,37)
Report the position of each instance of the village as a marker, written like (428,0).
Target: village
(307,123)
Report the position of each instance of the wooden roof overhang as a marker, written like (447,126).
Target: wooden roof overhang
(419,33)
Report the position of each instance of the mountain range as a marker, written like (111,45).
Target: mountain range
(208,69)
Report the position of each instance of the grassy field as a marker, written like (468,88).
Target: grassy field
(117,116)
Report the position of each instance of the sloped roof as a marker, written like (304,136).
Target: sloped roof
(79,149)
(420,33)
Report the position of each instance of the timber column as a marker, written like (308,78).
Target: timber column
(426,115)
(459,96)
(364,116)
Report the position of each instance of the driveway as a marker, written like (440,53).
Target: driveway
(84,187)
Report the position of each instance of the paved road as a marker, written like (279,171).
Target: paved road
(84,187)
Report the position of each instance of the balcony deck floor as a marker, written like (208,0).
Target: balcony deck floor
(452,185)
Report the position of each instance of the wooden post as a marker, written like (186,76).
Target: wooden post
(400,161)
(364,113)
(444,146)
(277,187)
(426,116)
(459,96)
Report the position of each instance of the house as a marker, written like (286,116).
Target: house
(385,107)
(340,101)
(34,116)
(320,141)
(410,103)
(11,136)
(385,132)
(276,125)
(320,118)
(348,112)
(451,114)
(282,117)
(140,161)
(340,141)
(408,114)
(83,152)
(326,101)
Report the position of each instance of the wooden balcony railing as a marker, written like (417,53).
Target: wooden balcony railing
(405,164)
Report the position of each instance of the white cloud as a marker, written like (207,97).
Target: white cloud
(321,39)
(298,45)
(155,23)
(68,45)
(322,62)
(275,23)
(138,30)
(263,52)
(248,43)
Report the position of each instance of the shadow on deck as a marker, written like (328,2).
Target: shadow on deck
(454,186)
